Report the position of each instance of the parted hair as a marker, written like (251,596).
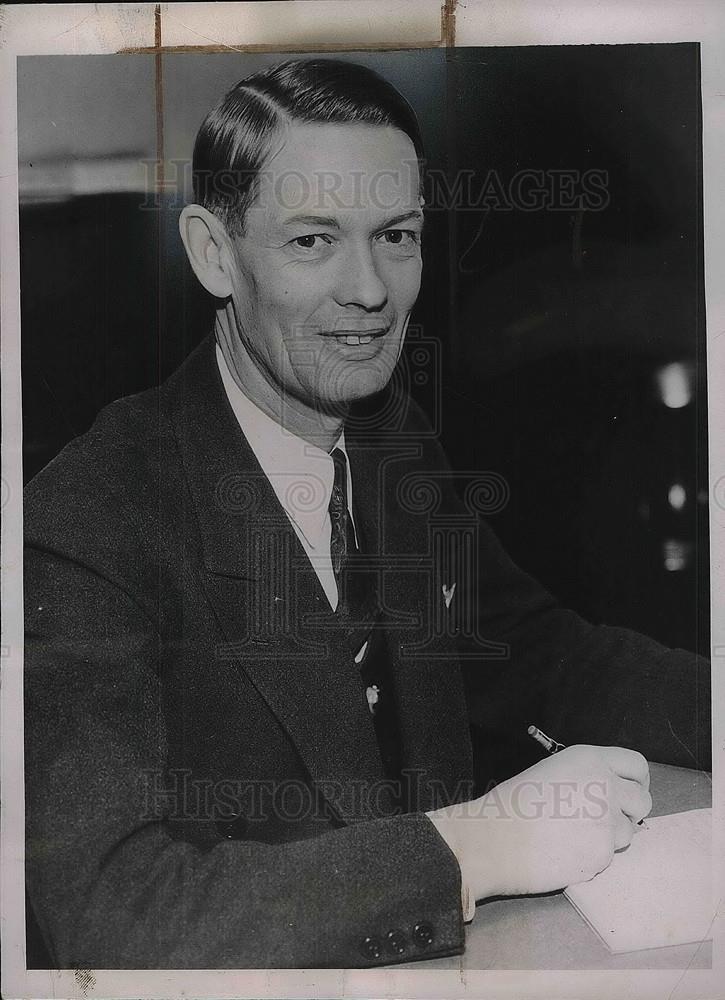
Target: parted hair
(237,135)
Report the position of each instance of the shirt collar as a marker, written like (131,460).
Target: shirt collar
(300,473)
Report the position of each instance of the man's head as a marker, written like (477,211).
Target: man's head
(307,228)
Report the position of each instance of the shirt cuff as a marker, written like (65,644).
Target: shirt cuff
(468,903)
(468,898)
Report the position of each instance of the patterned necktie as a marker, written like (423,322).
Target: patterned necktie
(372,657)
(342,537)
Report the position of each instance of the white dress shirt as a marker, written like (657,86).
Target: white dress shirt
(300,474)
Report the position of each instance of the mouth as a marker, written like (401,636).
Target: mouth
(356,338)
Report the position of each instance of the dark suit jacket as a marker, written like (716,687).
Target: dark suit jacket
(203,783)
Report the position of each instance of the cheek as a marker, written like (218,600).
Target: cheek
(403,280)
(292,301)
(273,292)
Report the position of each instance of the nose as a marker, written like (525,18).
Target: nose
(359,282)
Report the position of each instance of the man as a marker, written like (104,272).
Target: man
(260,731)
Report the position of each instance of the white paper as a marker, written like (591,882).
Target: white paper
(656,892)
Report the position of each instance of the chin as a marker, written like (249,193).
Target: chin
(361,384)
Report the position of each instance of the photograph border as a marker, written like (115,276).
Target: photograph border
(321,25)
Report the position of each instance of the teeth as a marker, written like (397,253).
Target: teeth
(353,340)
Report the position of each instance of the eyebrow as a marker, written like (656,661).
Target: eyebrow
(328,220)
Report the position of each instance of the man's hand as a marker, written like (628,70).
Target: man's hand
(557,823)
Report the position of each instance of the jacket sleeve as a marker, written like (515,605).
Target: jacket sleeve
(111,888)
(580,682)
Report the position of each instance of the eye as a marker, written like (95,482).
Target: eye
(308,242)
(400,237)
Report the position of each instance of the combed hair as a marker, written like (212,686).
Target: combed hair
(236,136)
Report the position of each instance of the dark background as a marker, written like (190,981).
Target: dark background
(552,324)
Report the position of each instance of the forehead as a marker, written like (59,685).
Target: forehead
(317,168)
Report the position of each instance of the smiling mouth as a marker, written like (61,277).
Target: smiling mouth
(355,339)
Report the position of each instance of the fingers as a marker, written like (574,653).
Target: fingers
(623,831)
(634,800)
(628,764)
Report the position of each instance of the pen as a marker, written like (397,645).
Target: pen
(551,746)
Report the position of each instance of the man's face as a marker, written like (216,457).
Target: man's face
(328,268)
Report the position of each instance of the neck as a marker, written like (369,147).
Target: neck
(315,426)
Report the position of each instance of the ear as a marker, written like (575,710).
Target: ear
(206,243)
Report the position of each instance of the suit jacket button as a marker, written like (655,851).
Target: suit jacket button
(423,934)
(371,948)
(396,942)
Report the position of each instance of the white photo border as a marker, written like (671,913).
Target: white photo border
(313,25)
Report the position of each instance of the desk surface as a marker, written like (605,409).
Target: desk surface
(546,932)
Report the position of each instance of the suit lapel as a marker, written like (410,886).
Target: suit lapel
(263,591)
